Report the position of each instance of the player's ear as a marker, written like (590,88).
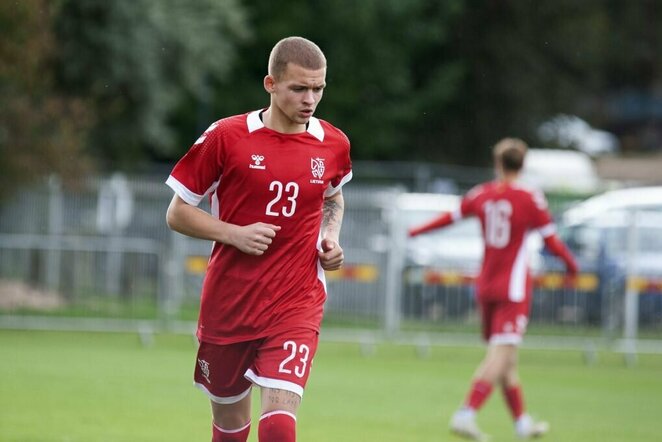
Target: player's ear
(269,84)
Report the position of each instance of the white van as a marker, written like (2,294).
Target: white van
(627,199)
(558,170)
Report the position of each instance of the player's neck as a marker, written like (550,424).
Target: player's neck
(508,177)
(275,120)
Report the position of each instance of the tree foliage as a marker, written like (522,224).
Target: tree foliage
(138,60)
(420,80)
(41,130)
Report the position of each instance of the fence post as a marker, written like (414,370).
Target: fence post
(55,229)
(631,324)
(173,287)
(394,268)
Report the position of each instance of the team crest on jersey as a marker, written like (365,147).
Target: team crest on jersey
(317,169)
(257,162)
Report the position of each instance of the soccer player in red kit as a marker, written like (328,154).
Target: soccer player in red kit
(508,213)
(274,179)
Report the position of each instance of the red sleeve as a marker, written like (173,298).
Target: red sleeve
(443,220)
(541,216)
(198,172)
(344,173)
(556,246)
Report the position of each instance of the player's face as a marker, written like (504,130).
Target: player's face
(296,94)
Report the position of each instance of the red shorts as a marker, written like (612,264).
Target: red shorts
(504,322)
(226,372)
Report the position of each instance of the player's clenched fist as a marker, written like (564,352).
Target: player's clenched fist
(254,239)
(331,256)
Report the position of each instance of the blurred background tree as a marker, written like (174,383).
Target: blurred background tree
(41,130)
(422,80)
(139,62)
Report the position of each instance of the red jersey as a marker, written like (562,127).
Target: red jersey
(507,213)
(255,174)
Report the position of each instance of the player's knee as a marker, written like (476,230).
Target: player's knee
(231,415)
(277,426)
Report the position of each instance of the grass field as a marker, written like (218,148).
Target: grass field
(75,387)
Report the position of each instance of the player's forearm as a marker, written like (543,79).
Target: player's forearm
(194,222)
(332,214)
(441,221)
(556,246)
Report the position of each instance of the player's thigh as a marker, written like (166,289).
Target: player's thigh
(283,363)
(275,399)
(508,323)
(220,369)
(486,310)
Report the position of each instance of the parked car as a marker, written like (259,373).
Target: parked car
(561,170)
(612,235)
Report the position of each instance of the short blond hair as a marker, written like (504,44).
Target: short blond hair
(296,50)
(509,153)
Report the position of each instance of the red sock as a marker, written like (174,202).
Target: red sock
(221,435)
(480,391)
(513,396)
(277,426)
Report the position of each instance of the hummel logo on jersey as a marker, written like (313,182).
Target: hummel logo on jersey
(204,367)
(257,162)
(317,169)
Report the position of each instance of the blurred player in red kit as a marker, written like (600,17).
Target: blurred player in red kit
(274,179)
(507,213)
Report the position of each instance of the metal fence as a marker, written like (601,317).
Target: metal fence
(100,256)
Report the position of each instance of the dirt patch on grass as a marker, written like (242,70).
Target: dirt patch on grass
(15,295)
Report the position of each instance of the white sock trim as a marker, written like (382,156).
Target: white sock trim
(271,413)
(238,430)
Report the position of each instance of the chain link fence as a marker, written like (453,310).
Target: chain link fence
(99,256)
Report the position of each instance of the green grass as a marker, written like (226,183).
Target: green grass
(108,387)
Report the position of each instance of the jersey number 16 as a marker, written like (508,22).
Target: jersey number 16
(497,223)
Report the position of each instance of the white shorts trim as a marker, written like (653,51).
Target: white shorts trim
(223,400)
(271,413)
(505,339)
(273,383)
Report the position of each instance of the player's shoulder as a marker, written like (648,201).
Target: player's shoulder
(479,190)
(329,133)
(236,123)
(532,193)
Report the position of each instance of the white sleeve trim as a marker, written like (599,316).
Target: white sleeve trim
(456,215)
(330,191)
(547,230)
(184,193)
(189,197)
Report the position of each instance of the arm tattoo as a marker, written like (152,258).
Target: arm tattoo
(332,213)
